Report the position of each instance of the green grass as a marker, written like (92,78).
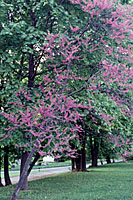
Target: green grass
(108,182)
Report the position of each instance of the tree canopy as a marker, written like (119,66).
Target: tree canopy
(72,62)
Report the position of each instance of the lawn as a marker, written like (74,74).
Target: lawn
(108,182)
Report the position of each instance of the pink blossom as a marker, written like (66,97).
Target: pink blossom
(75,29)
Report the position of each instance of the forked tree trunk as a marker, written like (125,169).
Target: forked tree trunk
(6,167)
(23,161)
(24,173)
(30,85)
(27,157)
(36,158)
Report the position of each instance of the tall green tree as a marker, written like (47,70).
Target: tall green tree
(22,29)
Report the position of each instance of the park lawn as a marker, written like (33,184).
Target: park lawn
(108,182)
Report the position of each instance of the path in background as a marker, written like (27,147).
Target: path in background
(44,172)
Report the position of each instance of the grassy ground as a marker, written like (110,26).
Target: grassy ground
(108,182)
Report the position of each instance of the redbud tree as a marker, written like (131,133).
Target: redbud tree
(83,64)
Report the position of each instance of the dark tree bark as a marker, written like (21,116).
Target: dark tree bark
(31,76)
(108,160)
(6,167)
(94,151)
(23,161)
(73,163)
(30,85)
(37,156)
(101,162)
(1,185)
(24,173)
(78,161)
(83,153)
(83,164)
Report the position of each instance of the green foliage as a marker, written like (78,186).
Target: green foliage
(22,27)
(125,1)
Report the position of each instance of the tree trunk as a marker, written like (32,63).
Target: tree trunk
(31,69)
(26,156)
(83,154)
(24,173)
(1,185)
(101,162)
(23,161)
(37,156)
(30,85)
(108,160)
(78,161)
(94,151)
(6,167)
(73,163)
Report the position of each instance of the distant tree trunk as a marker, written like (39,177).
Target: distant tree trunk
(83,154)
(94,151)
(23,161)
(108,160)
(83,164)
(0,168)
(73,160)
(31,76)
(6,167)
(78,161)
(73,163)
(101,162)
